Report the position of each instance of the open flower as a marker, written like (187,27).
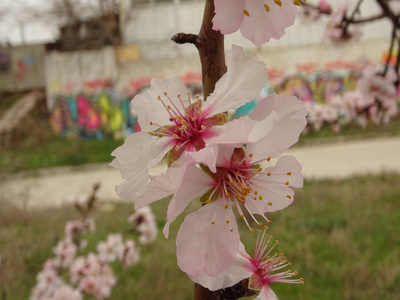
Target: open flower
(231,176)
(262,269)
(173,123)
(258,20)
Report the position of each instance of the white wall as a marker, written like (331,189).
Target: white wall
(151,27)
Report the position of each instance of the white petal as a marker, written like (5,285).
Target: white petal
(292,120)
(149,108)
(273,188)
(160,187)
(243,81)
(240,269)
(194,184)
(228,15)
(266,294)
(206,248)
(261,25)
(135,158)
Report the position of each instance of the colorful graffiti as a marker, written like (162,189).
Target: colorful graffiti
(101,111)
(89,116)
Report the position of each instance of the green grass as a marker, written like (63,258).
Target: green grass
(341,235)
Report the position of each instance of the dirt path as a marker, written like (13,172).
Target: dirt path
(53,187)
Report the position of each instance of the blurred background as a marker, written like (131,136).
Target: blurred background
(68,70)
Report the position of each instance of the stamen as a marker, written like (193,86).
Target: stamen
(246,12)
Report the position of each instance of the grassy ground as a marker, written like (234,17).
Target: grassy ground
(342,237)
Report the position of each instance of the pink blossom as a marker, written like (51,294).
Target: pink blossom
(67,293)
(65,252)
(173,123)
(231,176)
(258,20)
(262,269)
(112,249)
(145,224)
(131,255)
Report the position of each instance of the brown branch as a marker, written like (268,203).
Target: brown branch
(186,38)
(366,20)
(211,50)
(390,52)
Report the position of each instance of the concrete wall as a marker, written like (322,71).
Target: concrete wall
(150,26)
(22,68)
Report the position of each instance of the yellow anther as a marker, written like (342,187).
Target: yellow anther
(252,229)
(296,2)
(194,119)
(226,206)
(227,221)
(277,242)
(242,216)
(213,223)
(179,95)
(246,12)
(227,194)
(279,2)
(231,181)
(260,197)
(270,203)
(270,222)
(169,106)
(151,123)
(266,227)
(289,197)
(208,201)
(260,224)
(177,147)
(231,230)
(256,192)
(269,174)
(267,8)
(175,136)
(268,158)
(197,96)
(259,169)
(251,155)
(203,127)
(159,97)
(287,182)
(255,198)
(289,263)
(296,273)
(289,173)
(165,94)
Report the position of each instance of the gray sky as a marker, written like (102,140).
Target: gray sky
(15,24)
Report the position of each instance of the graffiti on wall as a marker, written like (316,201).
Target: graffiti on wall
(101,111)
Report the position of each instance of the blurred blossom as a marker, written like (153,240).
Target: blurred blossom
(112,249)
(145,224)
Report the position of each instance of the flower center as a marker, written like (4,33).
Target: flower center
(186,121)
(243,183)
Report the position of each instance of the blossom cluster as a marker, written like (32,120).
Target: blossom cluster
(237,166)
(374,100)
(71,274)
